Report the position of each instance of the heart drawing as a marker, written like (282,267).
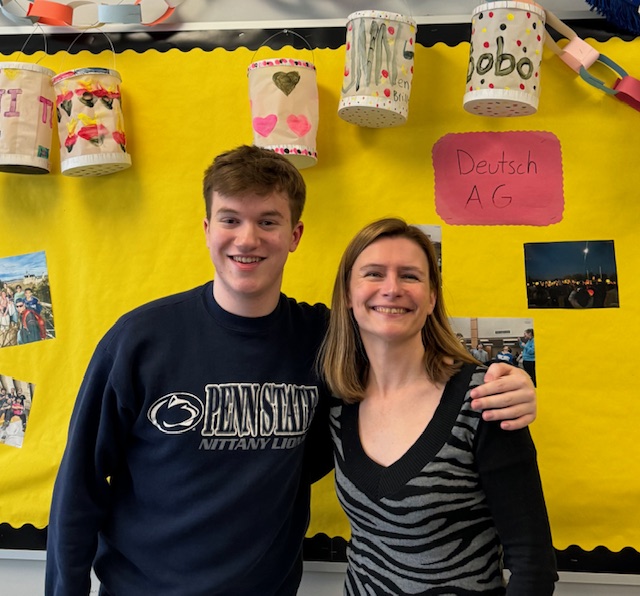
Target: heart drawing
(286,81)
(298,124)
(264,126)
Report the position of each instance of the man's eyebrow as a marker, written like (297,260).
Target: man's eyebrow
(230,211)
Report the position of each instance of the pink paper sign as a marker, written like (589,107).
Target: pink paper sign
(499,178)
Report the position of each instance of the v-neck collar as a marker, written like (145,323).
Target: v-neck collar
(378,481)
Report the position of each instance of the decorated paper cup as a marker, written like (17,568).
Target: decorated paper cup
(284,108)
(26,123)
(90,122)
(378,71)
(503,74)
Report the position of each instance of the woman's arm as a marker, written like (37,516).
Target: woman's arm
(511,481)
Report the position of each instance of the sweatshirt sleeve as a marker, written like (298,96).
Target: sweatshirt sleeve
(318,452)
(81,494)
(511,481)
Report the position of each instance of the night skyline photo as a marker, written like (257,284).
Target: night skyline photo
(580,274)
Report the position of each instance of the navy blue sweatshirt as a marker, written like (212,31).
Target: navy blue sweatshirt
(184,472)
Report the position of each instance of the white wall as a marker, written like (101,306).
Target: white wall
(22,574)
(231,14)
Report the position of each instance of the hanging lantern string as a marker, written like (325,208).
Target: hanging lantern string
(284,32)
(24,45)
(77,37)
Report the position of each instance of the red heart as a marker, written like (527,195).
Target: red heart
(298,124)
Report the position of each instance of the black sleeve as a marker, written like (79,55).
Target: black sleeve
(511,481)
(318,450)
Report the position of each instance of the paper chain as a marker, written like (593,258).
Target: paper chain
(580,56)
(47,12)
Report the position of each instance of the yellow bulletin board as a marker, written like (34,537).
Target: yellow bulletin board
(117,241)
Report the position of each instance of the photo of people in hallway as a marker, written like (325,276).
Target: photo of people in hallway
(510,340)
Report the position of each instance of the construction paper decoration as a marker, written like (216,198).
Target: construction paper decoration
(628,90)
(499,178)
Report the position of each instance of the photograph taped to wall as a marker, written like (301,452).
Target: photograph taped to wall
(26,312)
(493,339)
(572,275)
(15,407)
(435,235)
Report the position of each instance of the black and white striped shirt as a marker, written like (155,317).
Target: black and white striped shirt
(437,520)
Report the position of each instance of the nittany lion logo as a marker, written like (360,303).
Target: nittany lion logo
(176,413)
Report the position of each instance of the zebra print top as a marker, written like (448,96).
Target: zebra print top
(437,520)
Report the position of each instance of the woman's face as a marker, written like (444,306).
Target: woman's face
(389,290)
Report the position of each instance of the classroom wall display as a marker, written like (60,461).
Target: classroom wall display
(378,69)
(512,177)
(26,121)
(505,54)
(90,122)
(571,274)
(15,406)
(120,241)
(501,338)
(26,310)
(283,94)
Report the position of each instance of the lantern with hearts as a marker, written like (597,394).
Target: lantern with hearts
(284,108)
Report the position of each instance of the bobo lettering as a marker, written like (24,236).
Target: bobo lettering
(503,64)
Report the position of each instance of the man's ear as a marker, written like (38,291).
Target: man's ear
(296,234)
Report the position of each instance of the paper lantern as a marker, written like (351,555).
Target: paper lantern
(26,118)
(284,108)
(90,122)
(503,75)
(378,69)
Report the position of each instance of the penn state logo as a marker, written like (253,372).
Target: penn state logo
(176,413)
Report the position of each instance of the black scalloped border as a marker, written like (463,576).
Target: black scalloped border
(334,550)
(599,560)
(450,34)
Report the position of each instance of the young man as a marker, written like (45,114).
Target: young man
(201,423)
(29,330)
(31,301)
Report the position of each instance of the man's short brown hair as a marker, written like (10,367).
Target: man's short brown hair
(249,169)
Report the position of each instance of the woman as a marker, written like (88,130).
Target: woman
(433,493)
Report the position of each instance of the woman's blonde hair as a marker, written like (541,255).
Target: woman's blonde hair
(342,358)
